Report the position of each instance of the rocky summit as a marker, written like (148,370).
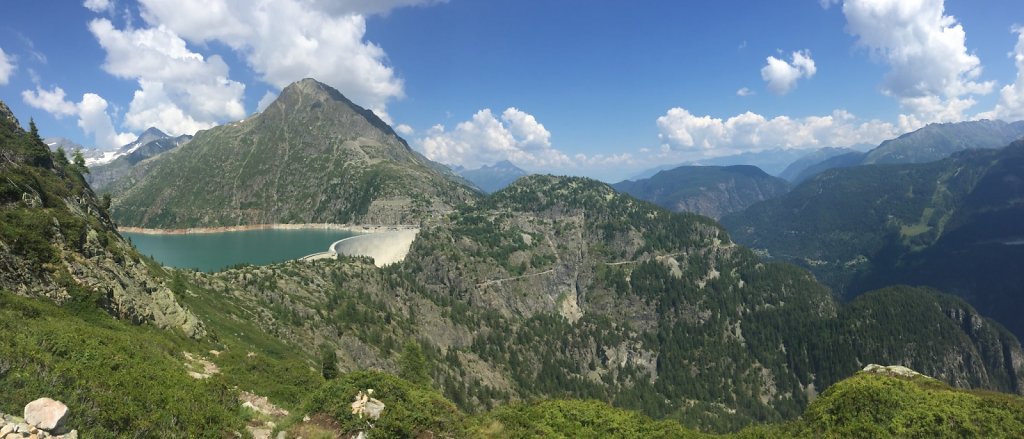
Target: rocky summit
(312,156)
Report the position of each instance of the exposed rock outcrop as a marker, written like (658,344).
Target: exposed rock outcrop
(893,371)
(58,240)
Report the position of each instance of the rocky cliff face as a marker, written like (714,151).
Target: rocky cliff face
(58,242)
(311,157)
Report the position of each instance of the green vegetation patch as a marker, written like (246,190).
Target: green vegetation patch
(575,419)
(115,378)
(868,405)
(410,410)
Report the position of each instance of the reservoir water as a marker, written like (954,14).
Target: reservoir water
(216,251)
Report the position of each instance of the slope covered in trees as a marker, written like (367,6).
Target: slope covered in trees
(951,224)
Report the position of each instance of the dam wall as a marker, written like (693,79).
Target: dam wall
(385,248)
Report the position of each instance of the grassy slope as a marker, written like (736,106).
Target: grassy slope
(115,377)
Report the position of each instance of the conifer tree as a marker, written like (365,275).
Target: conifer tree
(413,364)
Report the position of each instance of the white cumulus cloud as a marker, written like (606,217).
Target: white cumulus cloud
(744,92)
(782,76)
(1011,96)
(405,130)
(6,67)
(180,91)
(99,5)
(52,101)
(93,117)
(485,139)
(369,6)
(683,131)
(932,73)
(287,40)
(94,120)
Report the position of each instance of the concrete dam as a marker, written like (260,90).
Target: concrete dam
(385,248)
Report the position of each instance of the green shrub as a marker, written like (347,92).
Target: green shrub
(410,410)
(575,419)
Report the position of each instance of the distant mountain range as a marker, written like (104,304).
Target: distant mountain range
(938,141)
(954,224)
(931,143)
(772,161)
(312,156)
(492,178)
(126,159)
(91,155)
(707,190)
(808,164)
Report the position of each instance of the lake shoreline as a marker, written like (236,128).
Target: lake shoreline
(355,228)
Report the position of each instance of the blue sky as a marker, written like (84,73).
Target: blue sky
(593,88)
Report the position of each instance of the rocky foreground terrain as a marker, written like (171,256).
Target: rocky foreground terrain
(43,418)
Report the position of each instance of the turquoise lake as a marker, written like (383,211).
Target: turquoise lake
(216,251)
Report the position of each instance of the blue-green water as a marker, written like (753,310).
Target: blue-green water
(216,251)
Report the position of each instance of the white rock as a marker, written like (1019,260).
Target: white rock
(45,413)
(901,371)
(258,433)
(373,408)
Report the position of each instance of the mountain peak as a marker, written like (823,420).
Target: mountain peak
(492,178)
(505,164)
(312,87)
(308,89)
(153,132)
(310,95)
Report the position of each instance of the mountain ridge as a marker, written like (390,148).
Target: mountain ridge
(713,191)
(932,142)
